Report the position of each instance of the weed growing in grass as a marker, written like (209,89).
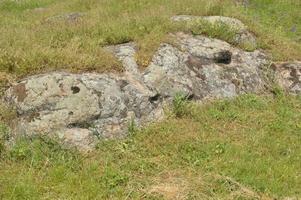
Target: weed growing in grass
(278,92)
(3,138)
(180,105)
(39,151)
(113,178)
(132,128)
(20,151)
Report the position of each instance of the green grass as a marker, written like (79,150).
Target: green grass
(30,44)
(217,30)
(277,25)
(246,148)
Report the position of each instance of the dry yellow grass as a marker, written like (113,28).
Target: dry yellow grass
(37,36)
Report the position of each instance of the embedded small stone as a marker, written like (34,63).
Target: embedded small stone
(75,89)
(288,76)
(224,57)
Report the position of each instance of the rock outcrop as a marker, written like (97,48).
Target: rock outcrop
(90,105)
(81,108)
(204,68)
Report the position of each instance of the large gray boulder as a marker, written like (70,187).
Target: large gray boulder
(79,109)
(205,68)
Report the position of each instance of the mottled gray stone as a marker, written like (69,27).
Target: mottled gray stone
(82,138)
(288,76)
(97,105)
(82,108)
(126,54)
(201,69)
(244,3)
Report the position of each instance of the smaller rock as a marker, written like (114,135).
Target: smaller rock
(294,29)
(204,68)
(70,17)
(183,18)
(81,138)
(243,36)
(244,3)
(232,22)
(37,10)
(126,54)
(288,76)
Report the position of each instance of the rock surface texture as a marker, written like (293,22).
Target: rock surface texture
(204,68)
(288,76)
(82,108)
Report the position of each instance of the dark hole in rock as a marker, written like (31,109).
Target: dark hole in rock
(79,125)
(75,89)
(224,57)
(70,113)
(154,98)
(190,97)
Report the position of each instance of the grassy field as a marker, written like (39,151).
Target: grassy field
(246,148)
(35,37)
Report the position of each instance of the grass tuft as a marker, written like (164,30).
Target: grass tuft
(218,30)
(180,105)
